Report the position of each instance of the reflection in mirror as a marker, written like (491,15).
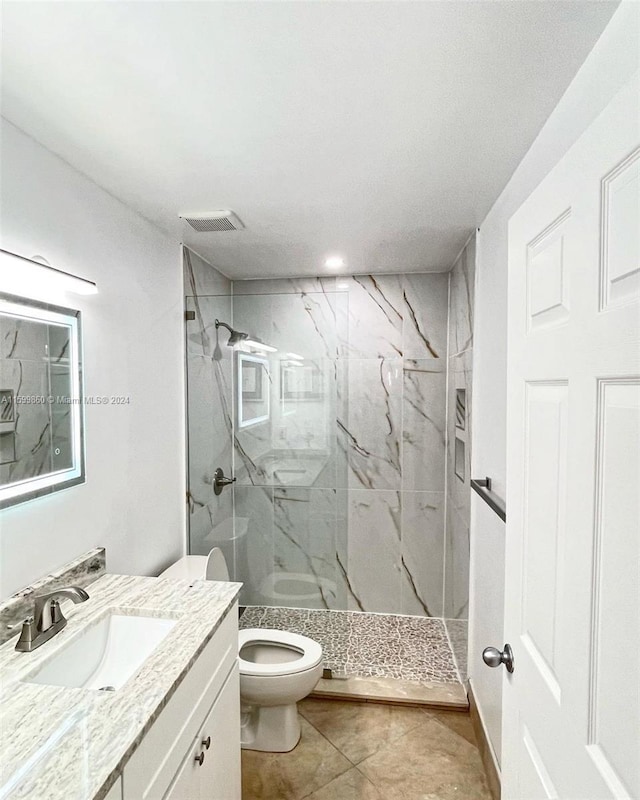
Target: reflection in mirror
(254,389)
(41,436)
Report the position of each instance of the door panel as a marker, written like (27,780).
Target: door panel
(571,723)
(542,572)
(614,714)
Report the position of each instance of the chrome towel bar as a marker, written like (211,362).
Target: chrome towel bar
(483,488)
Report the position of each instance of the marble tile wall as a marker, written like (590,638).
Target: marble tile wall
(460,419)
(363,527)
(370,532)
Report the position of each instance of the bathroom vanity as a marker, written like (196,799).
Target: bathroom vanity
(165,722)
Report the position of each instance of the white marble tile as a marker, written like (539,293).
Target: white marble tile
(374,568)
(423,425)
(375,317)
(284,286)
(456,580)
(209,423)
(373,433)
(201,278)
(210,525)
(461,301)
(253,314)
(305,324)
(422,553)
(425,315)
(202,337)
(254,563)
(305,533)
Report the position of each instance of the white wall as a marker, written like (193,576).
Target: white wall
(133,500)
(609,65)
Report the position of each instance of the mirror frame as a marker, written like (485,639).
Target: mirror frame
(38,486)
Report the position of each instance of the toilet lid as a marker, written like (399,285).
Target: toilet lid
(310,651)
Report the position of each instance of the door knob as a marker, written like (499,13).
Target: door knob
(493,657)
(220,481)
(199,759)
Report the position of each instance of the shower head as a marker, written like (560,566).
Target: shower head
(236,336)
(240,336)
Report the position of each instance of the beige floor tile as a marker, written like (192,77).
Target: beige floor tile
(351,785)
(431,762)
(290,776)
(458,722)
(359,730)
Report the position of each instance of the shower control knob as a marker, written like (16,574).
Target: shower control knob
(493,657)
(220,481)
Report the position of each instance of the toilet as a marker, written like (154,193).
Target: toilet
(277,668)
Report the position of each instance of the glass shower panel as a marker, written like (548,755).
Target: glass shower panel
(290,495)
(209,426)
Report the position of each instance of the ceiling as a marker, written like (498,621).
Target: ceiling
(379,131)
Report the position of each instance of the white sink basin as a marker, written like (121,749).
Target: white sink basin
(106,655)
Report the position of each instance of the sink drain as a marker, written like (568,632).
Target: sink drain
(107,689)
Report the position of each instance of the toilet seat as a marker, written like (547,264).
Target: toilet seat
(310,652)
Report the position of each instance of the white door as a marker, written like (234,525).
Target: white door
(571,725)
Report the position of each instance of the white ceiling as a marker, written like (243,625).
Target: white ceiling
(381,131)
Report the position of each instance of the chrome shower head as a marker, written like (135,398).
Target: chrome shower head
(236,336)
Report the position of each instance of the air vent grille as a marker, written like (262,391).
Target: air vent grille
(214,222)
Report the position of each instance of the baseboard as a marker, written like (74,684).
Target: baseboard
(486,751)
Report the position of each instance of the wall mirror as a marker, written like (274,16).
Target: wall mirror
(41,414)
(254,389)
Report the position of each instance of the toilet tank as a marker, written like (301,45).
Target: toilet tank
(190,568)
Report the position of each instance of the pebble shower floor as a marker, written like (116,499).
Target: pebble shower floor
(357,643)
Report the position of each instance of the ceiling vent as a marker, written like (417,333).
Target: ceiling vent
(214,221)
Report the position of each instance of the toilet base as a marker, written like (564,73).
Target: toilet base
(271,729)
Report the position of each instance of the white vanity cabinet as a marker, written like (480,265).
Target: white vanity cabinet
(207,771)
(204,708)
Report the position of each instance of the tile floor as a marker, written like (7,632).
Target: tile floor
(371,751)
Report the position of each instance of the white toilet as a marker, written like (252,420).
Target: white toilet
(277,668)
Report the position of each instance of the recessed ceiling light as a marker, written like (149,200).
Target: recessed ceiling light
(334,262)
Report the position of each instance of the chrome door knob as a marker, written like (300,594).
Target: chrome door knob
(493,657)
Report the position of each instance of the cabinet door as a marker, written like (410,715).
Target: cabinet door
(186,784)
(211,769)
(220,772)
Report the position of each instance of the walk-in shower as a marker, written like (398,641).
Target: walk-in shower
(344,522)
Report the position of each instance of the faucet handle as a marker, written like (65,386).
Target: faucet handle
(27,635)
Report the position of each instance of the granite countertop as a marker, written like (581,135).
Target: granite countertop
(71,744)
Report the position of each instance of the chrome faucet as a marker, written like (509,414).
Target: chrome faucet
(47,619)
